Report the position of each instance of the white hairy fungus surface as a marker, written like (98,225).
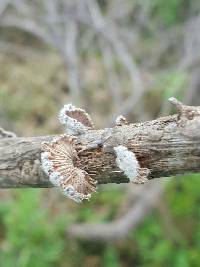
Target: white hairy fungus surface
(57,162)
(121,120)
(72,126)
(127,162)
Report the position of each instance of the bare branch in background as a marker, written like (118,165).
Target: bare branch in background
(65,25)
(26,25)
(58,24)
(191,43)
(3,6)
(120,228)
(109,32)
(113,80)
(70,54)
(6,134)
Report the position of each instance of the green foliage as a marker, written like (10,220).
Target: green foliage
(172,84)
(156,246)
(97,210)
(184,192)
(168,12)
(111,257)
(32,239)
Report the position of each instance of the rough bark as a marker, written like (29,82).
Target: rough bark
(167,146)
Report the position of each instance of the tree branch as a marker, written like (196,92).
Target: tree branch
(167,146)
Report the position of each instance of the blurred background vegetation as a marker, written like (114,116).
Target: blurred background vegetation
(109,57)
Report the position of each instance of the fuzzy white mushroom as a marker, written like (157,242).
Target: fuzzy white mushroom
(75,120)
(120,121)
(58,163)
(127,162)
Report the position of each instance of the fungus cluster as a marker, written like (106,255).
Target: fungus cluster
(59,157)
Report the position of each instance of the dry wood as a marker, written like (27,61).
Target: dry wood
(167,146)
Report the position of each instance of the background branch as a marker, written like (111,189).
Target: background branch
(119,228)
